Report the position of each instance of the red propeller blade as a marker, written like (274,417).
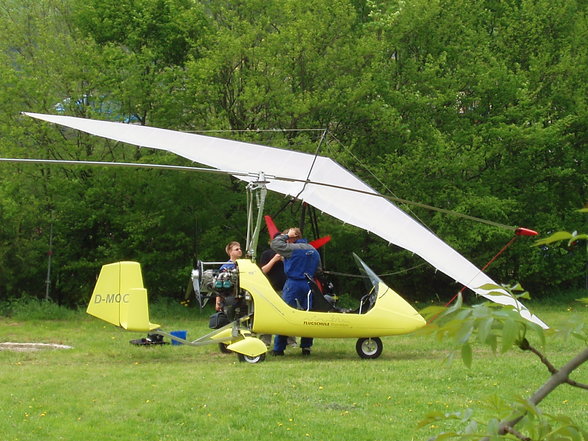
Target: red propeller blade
(271,226)
(317,243)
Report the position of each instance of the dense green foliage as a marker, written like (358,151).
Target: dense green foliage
(477,107)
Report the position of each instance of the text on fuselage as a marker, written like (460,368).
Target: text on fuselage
(316,323)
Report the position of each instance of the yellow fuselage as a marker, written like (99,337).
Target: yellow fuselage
(390,315)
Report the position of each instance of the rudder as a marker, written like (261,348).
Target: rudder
(120,298)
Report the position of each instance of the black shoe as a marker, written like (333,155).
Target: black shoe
(278,353)
(305,352)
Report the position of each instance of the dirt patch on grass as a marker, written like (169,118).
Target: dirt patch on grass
(30,347)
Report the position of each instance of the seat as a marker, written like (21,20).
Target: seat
(319,302)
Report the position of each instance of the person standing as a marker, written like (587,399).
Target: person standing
(272,265)
(300,258)
(234,252)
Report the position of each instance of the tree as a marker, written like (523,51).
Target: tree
(141,48)
(482,129)
(424,100)
(37,53)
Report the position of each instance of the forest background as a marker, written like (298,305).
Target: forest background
(478,107)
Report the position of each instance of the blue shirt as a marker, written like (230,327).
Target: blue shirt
(228,266)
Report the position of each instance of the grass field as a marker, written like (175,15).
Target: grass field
(106,389)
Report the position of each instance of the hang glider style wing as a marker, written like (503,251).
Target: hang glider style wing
(317,180)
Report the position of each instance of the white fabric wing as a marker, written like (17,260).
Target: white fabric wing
(372,213)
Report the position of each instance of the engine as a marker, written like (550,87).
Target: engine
(212,283)
(220,283)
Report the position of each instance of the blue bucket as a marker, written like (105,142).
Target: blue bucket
(180,334)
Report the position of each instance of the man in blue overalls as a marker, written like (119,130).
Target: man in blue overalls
(299,258)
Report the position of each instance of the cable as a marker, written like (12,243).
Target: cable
(510,242)
(373,175)
(323,136)
(336,273)
(252,130)
(419,204)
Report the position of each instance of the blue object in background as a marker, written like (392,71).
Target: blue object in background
(180,334)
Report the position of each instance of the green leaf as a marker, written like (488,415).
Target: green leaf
(555,237)
(540,333)
(490,287)
(472,428)
(464,332)
(577,237)
(446,435)
(432,312)
(466,354)
(492,341)
(430,418)
(517,287)
(510,333)
(493,427)
(484,329)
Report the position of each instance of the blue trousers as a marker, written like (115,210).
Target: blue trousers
(295,294)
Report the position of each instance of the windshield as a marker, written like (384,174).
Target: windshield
(371,278)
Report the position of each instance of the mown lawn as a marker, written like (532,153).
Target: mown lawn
(106,389)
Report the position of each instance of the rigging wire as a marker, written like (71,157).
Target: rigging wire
(490,262)
(373,175)
(418,204)
(318,148)
(372,193)
(252,130)
(360,276)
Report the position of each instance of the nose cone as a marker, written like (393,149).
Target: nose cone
(400,316)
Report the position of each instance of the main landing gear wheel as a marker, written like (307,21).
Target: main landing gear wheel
(246,358)
(369,347)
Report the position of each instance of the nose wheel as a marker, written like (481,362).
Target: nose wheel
(251,360)
(369,347)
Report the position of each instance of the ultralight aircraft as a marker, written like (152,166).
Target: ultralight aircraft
(120,298)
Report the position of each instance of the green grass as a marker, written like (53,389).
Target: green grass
(106,389)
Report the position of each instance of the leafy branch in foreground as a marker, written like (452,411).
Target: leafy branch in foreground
(501,328)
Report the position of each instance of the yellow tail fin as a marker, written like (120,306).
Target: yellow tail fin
(120,298)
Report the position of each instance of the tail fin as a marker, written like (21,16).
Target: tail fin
(120,298)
